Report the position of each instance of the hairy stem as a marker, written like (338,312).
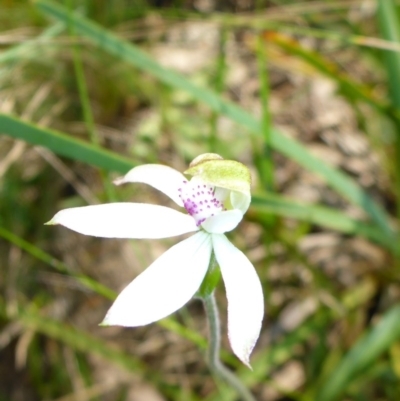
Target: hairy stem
(215,363)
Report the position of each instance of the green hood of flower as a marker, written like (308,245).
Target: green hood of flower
(227,174)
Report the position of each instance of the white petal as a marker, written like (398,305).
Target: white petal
(223,222)
(126,220)
(164,178)
(245,297)
(221,194)
(240,200)
(165,286)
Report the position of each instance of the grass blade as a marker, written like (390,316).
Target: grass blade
(168,323)
(63,145)
(78,340)
(319,215)
(348,87)
(362,355)
(264,156)
(86,108)
(30,47)
(61,267)
(289,147)
(390,27)
(267,22)
(84,342)
(80,150)
(266,361)
(219,83)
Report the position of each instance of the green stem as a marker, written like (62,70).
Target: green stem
(215,363)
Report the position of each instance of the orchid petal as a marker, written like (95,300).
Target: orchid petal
(220,193)
(164,178)
(165,286)
(223,222)
(240,200)
(126,220)
(244,294)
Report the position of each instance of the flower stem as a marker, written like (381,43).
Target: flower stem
(215,363)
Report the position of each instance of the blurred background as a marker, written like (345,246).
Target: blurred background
(305,93)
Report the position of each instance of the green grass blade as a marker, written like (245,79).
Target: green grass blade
(82,341)
(390,27)
(289,147)
(63,144)
(168,323)
(78,340)
(320,215)
(61,267)
(262,22)
(362,355)
(30,47)
(219,84)
(86,107)
(267,360)
(348,87)
(264,156)
(79,150)
(338,180)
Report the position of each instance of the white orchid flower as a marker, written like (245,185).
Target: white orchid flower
(215,199)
